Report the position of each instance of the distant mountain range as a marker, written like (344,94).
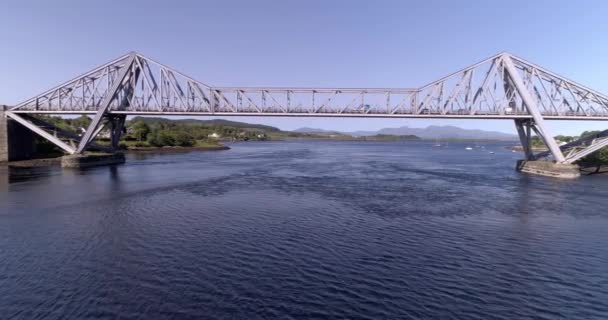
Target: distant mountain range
(313,130)
(430,132)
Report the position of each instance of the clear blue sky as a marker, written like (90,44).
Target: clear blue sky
(304,43)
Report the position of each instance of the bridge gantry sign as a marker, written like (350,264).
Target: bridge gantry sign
(500,87)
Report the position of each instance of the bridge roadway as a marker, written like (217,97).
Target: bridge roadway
(328,114)
(501,87)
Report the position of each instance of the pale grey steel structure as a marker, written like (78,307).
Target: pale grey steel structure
(500,87)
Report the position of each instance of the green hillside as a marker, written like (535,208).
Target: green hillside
(153,121)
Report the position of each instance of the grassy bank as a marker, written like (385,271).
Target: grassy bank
(203,145)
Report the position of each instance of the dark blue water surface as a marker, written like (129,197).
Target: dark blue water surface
(304,230)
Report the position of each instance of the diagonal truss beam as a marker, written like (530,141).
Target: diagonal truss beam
(530,104)
(66,147)
(105,103)
(595,146)
(582,147)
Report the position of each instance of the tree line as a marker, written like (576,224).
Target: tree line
(173,133)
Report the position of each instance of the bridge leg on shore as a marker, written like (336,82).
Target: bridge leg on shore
(18,137)
(16,141)
(582,147)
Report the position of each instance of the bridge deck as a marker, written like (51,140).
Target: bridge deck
(512,116)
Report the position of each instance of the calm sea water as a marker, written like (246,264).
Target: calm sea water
(304,230)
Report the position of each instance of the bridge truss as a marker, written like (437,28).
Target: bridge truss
(500,87)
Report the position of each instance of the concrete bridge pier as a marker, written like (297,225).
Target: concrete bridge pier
(549,169)
(16,141)
(532,164)
(117,126)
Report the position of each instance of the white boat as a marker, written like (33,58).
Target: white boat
(437,144)
(468,148)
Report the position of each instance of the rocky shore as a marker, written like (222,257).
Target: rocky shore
(589,169)
(92,160)
(168,149)
(43,162)
(519,148)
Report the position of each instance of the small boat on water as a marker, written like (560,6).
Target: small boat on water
(468,148)
(491,152)
(437,144)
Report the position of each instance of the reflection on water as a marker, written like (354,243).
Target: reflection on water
(357,230)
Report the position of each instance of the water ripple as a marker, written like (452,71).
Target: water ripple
(303,230)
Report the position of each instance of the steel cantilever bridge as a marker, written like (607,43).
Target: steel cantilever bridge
(500,87)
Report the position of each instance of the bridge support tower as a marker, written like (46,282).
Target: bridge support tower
(558,168)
